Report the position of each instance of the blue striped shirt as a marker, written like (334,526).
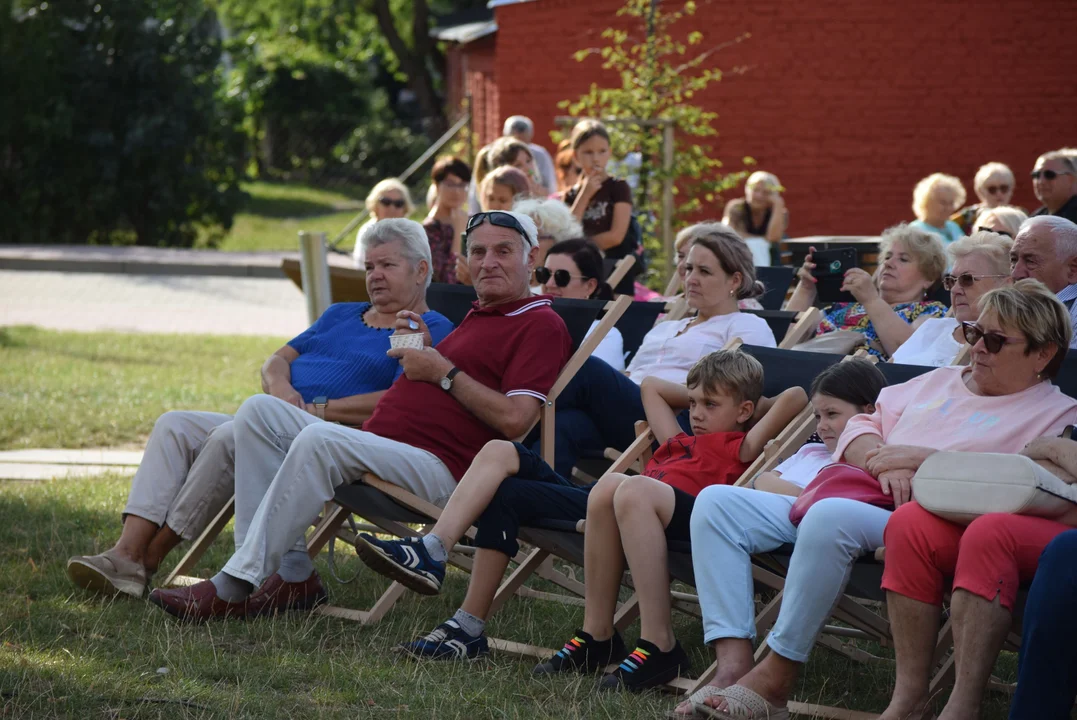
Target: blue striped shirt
(1067,295)
(340,355)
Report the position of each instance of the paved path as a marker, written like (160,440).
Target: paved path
(152,303)
(49,464)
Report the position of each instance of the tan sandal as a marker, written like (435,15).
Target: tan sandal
(696,699)
(744,704)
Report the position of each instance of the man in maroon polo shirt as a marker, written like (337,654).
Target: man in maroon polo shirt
(486,380)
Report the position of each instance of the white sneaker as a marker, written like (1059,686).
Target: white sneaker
(108,573)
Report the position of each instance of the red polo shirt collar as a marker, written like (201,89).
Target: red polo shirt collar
(515,307)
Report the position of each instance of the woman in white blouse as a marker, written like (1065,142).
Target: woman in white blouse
(600,407)
(981,262)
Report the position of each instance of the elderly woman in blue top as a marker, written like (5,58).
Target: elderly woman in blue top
(336,370)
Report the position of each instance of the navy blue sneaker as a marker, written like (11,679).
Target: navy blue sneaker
(447,641)
(405,561)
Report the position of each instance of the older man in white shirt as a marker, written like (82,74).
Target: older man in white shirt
(1046,250)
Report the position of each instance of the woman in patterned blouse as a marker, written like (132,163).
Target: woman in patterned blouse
(893,303)
(448,215)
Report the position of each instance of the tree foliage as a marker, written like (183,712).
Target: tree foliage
(116,127)
(660,78)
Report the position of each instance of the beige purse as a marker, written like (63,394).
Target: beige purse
(960,487)
(838,342)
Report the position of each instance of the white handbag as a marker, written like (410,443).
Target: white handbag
(960,487)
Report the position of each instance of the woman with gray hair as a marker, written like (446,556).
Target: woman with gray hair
(981,263)
(993,185)
(599,408)
(888,306)
(554,220)
(336,370)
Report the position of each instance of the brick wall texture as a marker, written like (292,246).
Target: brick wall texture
(848,102)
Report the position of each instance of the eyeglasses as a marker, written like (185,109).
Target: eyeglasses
(561,278)
(389,202)
(1048,174)
(453,185)
(992,189)
(983,228)
(498,219)
(993,341)
(966,280)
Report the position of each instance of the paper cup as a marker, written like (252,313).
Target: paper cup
(409,340)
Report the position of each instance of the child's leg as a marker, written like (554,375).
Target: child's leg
(486,574)
(644,507)
(603,558)
(497,460)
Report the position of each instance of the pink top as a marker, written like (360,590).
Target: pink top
(937,411)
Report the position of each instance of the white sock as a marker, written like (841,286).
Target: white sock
(435,547)
(470,624)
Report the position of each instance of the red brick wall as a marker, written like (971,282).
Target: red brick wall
(849,102)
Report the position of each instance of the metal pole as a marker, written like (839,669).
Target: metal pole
(667,197)
(314,271)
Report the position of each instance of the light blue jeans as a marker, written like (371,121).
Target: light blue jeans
(730,524)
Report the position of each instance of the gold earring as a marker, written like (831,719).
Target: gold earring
(730,293)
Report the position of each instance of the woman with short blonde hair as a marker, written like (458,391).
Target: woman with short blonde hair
(934,200)
(388,199)
(1005,220)
(993,184)
(759,214)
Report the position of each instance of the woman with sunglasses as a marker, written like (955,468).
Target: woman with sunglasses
(1000,403)
(1018,344)
(573,269)
(1005,220)
(980,263)
(388,199)
(993,184)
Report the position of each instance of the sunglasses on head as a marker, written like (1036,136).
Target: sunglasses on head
(993,341)
(496,218)
(1048,174)
(389,202)
(561,278)
(966,280)
(992,189)
(981,228)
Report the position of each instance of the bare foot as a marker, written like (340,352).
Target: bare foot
(905,710)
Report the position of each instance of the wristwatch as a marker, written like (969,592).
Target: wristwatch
(320,403)
(446,382)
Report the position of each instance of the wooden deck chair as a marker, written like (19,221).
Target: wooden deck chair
(620,270)
(791,327)
(638,320)
(402,507)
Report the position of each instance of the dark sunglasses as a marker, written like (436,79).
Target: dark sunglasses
(498,219)
(561,278)
(993,341)
(966,280)
(981,228)
(388,202)
(992,189)
(1048,174)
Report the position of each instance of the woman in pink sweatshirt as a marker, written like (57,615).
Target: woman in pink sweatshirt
(1000,403)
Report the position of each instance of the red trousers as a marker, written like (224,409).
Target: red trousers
(990,557)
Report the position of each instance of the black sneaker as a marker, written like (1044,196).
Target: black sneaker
(447,641)
(583,654)
(647,667)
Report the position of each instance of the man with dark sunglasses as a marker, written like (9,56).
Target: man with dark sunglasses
(1046,249)
(1054,180)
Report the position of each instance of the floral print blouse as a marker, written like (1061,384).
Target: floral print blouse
(442,250)
(853,316)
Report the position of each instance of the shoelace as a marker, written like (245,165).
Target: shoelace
(634,660)
(572,646)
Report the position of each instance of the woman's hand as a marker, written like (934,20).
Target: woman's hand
(888,458)
(804,273)
(463,272)
(408,322)
(897,484)
(861,285)
(1040,449)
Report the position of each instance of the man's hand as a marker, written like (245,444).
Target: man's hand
(897,483)
(288,394)
(408,322)
(426,365)
(886,458)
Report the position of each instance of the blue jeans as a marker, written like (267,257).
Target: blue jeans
(1047,674)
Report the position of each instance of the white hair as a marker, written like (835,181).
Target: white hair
(415,245)
(518,124)
(989,172)
(1005,215)
(530,231)
(1062,231)
(936,181)
(551,217)
(759,177)
(385,186)
(993,247)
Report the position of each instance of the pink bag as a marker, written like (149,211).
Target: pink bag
(844,481)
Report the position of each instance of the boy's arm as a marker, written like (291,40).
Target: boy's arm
(662,400)
(785,407)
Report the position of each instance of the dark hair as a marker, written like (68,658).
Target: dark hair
(588,259)
(733,371)
(450,165)
(587,129)
(856,381)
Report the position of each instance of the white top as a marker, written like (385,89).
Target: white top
(611,349)
(544,165)
(802,468)
(669,351)
(932,344)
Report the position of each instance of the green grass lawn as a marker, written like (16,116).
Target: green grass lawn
(75,390)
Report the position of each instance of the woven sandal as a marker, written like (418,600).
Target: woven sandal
(696,699)
(744,704)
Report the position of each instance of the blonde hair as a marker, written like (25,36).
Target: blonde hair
(763,178)
(924,246)
(988,172)
(994,247)
(551,216)
(1006,215)
(932,182)
(504,152)
(1030,308)
(735,372)
(385,186)
(732,253)
(508,176)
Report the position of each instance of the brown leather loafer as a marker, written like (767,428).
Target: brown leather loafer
(277,596)
(197,603)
